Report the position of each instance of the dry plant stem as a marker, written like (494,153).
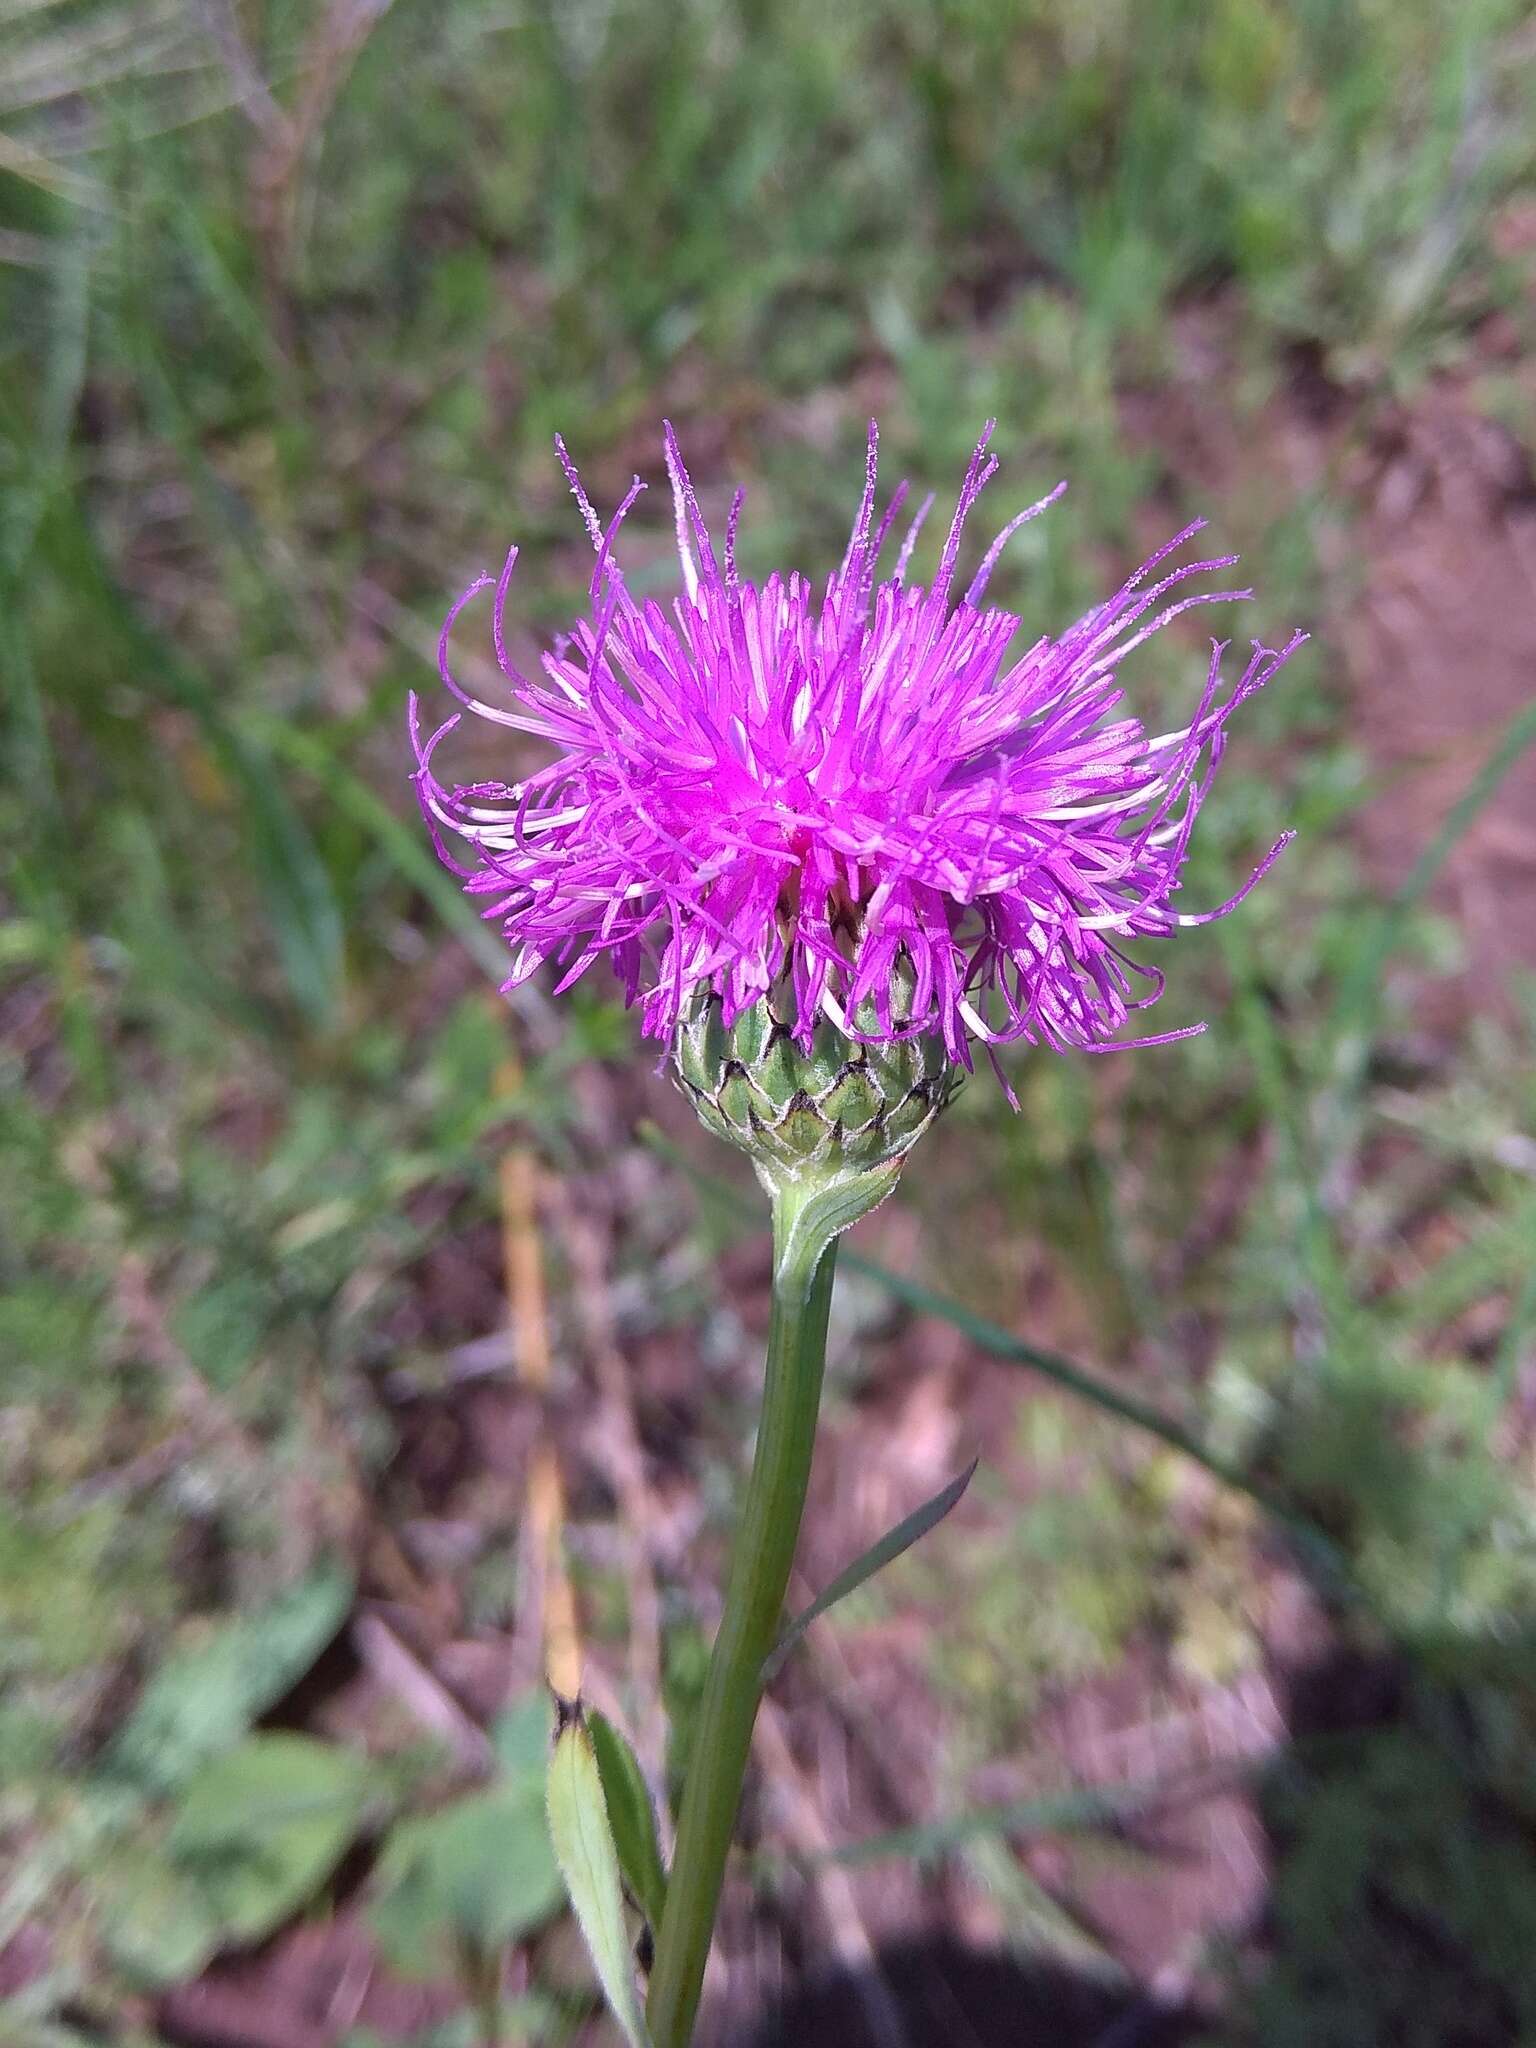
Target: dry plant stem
(616,1444)
(544,1518)
(761,1558)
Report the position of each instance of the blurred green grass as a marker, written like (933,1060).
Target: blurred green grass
(292,299)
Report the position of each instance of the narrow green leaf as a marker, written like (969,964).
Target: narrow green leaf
(890,1546)
(631,1817)
(583,1842)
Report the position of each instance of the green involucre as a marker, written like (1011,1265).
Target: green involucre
(842,1104)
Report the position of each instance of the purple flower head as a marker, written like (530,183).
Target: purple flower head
(838,789)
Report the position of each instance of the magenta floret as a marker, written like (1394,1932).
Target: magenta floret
(760,781)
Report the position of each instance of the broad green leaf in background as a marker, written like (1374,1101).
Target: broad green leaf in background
(480,1873)
(157,1923)
(890,1546)
(205,1697)
(583,1840)
(261,1828)
(477,1875)
(520,1737)
(631,1816)
(531,2021)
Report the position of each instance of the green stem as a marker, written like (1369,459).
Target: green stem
(761,1558)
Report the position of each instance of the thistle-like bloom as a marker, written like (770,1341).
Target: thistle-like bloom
(760,787)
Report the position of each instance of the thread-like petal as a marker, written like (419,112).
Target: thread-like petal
(766,784)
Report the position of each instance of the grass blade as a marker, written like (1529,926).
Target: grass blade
(1506,1365)
(1355,1005)
(1052,1814)
(300,899)
(1310,1541)
(402,844)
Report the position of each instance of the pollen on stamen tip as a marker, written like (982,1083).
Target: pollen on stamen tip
(819,789)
